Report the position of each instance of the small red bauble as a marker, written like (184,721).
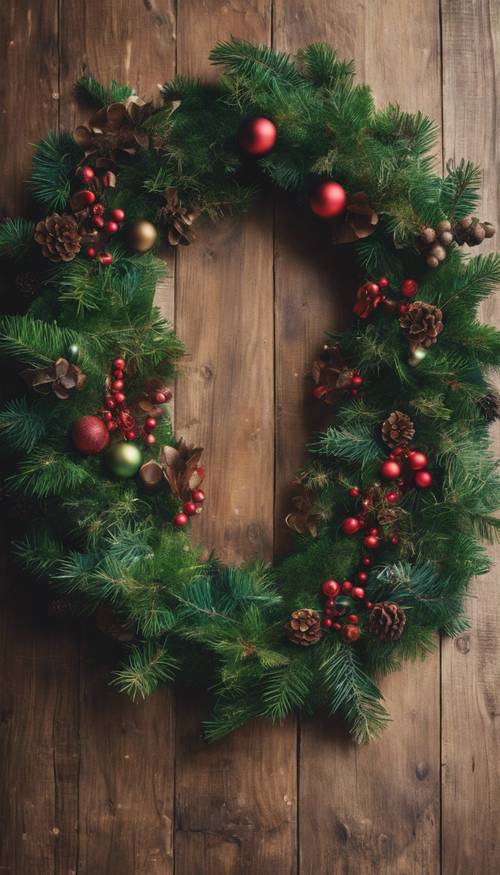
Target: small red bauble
(198,495)
(258,136)
(404,308)
(330,603)
(119,363)
(373,288)
(98,222)
(118,375)
(86,173)
(181,520)
(107,415)
(371,542)
(328,612)
(351,632)
(362,576)
(111,227)
(106,259)
(368,606)
(357,380)
(87,196)
(366,561)
(391,497)
(394,540)
(331,589)
(353,618)
(351,525)
(408,288)
(119,397)
(131,435)
(98,210)
(358,592)
(390,470)
(397,451)
(423,479)
(347,586)
(159,398)
(337,626)
(109,403)
(373,531)
(327,623)
(354,492)
(118,215)
(150,423)
(117,385)
(91,252)
(417,460)
(383,282)
(366,503)
(328,200)
(149,440)
(90,435)
(189,507)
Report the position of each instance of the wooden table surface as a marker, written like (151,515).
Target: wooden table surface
(94,785)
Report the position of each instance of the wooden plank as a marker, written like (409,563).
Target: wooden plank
(376,808)
(39,659)
(471,664)
(235,801)
(127,750)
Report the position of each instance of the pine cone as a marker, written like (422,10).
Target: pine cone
(177,219)
(398,429)
(304,627)
(472,232)
(422,323)
(387,621)
(489,406)
(59,237)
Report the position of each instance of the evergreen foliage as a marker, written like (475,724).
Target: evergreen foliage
(109,542)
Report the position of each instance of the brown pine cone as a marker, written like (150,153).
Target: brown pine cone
(422,323)
(387,621)
(304,627)
(398,429)
(177,219)
(59,237)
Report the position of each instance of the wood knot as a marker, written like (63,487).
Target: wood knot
(462,643)
(421,771)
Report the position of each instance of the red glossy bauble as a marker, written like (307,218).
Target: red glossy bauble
(408,288)
(357,380)
(111,227)
(390,470)
(117,385)
(383,282)
(366,561)
(87,197)
(150,423)
(368,606)
(391,497)
(347,587)
(351,525)
(86,173)
(337,627)
(118,375)
(258,136)
(353,618)
(118,215)
(328,612)
(119,397)
(119,363)
(330,603)
(327,623)
(111,425)
(373,288)
(351,633)
(362,576)
(394,540)
(91,252)
(417,460)
(98,222)
(371,542)
(373,531)
(159,398)
(331,589)
(189,508)
(181,520)
(358,592)
(109,403)
(149,440)
(90,435)
(107,415)
(198,496)
(131,435)
(354,492)
(328,200)
(423,479)
(106,259)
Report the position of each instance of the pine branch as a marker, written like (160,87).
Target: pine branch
(89,90)
(256,62)
(16,238)
(148,666)
(54,165)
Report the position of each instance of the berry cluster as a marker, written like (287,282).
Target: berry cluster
(99,226)
(193,505)
(340,604)
(372,295)
(117,415)
(409,462)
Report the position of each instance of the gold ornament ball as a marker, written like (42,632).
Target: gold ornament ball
(417,356)
(124,459)
(143,236)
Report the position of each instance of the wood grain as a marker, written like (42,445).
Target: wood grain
(372,809)
(127,750)
(235,802)
(471,664)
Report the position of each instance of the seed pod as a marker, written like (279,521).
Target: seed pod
(445,225)
(427,236)
(476,234)
(438,252)
(432,261)
(489,229)
(446,238)
(465,223)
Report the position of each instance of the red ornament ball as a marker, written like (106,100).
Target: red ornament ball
(394,540)
(90,435)
(353,618)
(354,492)
(358,592)
(383,282)
(131,435)
(328,200)
(150,423)
(180,520)
(119,397)
(149,440)
(189,508)
(423,479)
(331,589)
(86,173)
(351,632)
(98,222)
(366,561)
(337,627)
(347,587)
(327,623)
(111,227)
(91,252)
(258,136)
(391,497)
(109,403)
(118,215)
(371,542)
(198,496)
(357,380)
(106,259)
(417,460)
(117,385)
(119,363)
(362,576)
(408,288)
(390,470)
(351,525)
(87,196)
(111,425)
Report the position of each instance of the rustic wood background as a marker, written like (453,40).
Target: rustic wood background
(94,785)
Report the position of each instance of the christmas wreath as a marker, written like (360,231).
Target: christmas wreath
(399,490)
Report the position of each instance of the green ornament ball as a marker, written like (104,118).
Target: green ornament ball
(73,353)
(124,459)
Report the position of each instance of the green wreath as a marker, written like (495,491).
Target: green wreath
(398,491)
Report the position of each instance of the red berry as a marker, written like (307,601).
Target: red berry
(372,288)
(366,503)
(131,435)
(327,623)
(390,470)
(98,222)
(371,542)
(383,282)
(328,612)
(368,606)
(111,425)
(119,397)
(91,252)
(400,482)
(189,507)
(351,632)
(109,403)
(354,393)
(408,288)
(118,215)
(366,561)
(107,415)
(328,200)
(118,374)
(353,618)
(357,380)
(111,227)
(320,391)
(87,196)
(331,589)
(354,492)
(86,173)
(159,398)
(358,592)
(423,479)
(149,440)
(373,531)
(351,525)
(198,495)
(417,460)
(119,363)
(404,308)
(117,385)
(106,259)
(362,576)
(347,586)
(397,451)
(180,520)
(337,627)
(391,497)
(394,540)
(150,423)
(98,210)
